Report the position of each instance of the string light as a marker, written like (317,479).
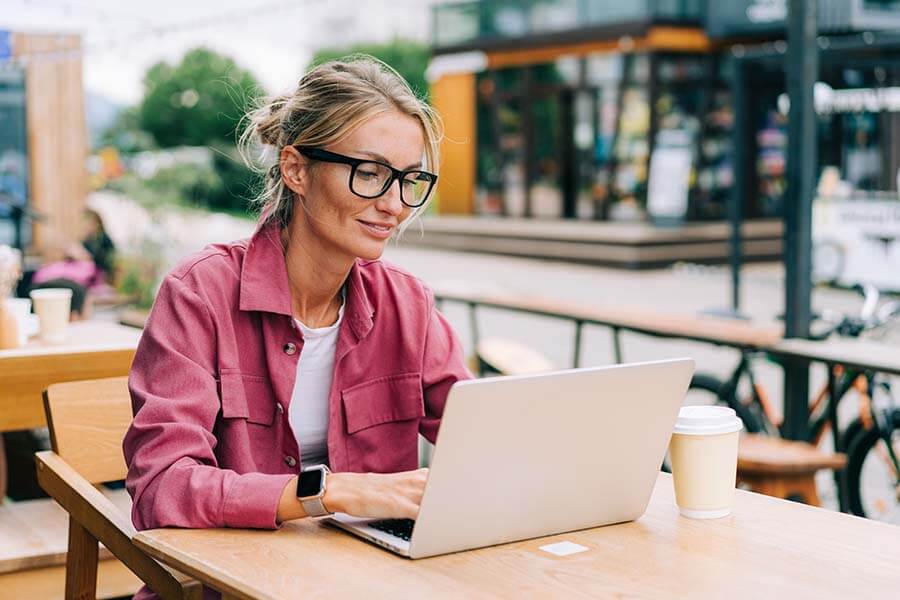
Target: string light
(153,31)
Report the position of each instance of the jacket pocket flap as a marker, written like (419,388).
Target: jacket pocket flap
(382,400)
(247,397)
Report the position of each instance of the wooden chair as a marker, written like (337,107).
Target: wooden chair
(33,532)
(88,420)
(782,468)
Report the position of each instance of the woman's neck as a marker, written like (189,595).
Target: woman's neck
(315,281)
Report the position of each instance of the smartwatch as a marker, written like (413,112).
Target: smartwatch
(311,490)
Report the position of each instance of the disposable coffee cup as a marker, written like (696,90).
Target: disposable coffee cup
(703,453)
(52,306)
(21,309)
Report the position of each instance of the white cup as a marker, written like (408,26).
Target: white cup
(21,309)
(52,306)
(703,452)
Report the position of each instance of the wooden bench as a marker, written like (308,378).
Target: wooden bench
(505,357)
(783,468)
(88,421)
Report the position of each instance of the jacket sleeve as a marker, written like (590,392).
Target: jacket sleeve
(443,365)
(173,474)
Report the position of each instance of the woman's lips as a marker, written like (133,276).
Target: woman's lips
(379,230)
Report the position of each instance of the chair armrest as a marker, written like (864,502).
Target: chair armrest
(95,512)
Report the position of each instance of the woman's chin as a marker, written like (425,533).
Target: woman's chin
(371,250)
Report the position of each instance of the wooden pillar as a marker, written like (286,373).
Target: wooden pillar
(453,96)
(56,134)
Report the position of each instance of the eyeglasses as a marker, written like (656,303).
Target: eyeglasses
(370,178)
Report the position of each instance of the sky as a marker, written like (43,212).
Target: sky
(274,39)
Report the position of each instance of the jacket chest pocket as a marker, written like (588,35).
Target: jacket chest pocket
(382,420)
(247,397)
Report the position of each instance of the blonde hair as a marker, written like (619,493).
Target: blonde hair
(330,102)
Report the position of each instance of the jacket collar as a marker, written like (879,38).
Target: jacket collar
(265,287)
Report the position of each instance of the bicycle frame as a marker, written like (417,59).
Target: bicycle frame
(839,382)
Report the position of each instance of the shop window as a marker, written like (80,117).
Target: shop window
(13,156)
(512,156)
(545,190)
(488,165)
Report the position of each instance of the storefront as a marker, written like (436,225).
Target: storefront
(856,98)
(633,120)
(574,138)
(43,139)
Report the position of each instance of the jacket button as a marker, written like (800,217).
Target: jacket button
(279,408)
(290,348)
(290,461)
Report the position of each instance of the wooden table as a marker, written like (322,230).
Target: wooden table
(94,349)
(766,548)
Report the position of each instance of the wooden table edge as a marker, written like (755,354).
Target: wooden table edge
(173,557)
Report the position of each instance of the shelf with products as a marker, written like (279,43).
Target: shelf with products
(715,171)
(771,162)
(632,147)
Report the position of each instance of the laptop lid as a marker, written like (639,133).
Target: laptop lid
(528,456)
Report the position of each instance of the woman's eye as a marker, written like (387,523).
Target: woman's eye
(368,175)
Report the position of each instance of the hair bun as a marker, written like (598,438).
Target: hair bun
(269,127)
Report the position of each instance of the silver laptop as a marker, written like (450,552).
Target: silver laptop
(528,456)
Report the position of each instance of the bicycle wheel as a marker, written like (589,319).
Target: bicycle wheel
(709,384)
(871,482)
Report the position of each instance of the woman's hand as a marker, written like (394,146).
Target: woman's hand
(372,495)
(376,495)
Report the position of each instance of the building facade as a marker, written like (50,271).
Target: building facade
(596,109)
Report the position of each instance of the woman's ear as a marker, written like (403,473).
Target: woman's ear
(294,170)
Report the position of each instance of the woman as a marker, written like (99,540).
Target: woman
(84,267)
(299,347)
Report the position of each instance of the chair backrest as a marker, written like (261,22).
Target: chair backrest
(88,421)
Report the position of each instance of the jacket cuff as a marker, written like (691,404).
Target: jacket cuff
(252,501)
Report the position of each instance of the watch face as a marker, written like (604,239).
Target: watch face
(310,483)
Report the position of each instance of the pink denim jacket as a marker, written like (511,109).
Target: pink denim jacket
(210,444)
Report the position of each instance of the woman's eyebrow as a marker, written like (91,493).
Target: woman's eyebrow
(381,158)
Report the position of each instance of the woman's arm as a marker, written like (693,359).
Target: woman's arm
(373,495)
(443,365)
(173,474)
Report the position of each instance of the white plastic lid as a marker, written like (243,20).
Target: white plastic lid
(51,293)
(707,420)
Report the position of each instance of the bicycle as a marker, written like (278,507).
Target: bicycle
(869,485)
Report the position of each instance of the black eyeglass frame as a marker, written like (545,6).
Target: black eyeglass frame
(322,155)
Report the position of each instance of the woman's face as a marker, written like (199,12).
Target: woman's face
(343,224)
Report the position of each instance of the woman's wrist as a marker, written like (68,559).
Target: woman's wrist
(338,491)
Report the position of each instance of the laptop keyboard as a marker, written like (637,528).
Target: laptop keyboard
(401,528)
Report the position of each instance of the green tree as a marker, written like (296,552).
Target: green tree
(198,102)
(409,58)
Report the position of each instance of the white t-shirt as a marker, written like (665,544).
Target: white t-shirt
(308,411)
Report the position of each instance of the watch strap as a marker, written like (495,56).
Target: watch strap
(314,507)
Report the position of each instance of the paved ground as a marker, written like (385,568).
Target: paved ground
(681,288)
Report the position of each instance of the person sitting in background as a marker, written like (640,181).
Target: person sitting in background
(85,267)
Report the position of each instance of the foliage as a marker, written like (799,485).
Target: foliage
(198,102)
(138,271)
(239,184)
(409,58)
(126,135)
